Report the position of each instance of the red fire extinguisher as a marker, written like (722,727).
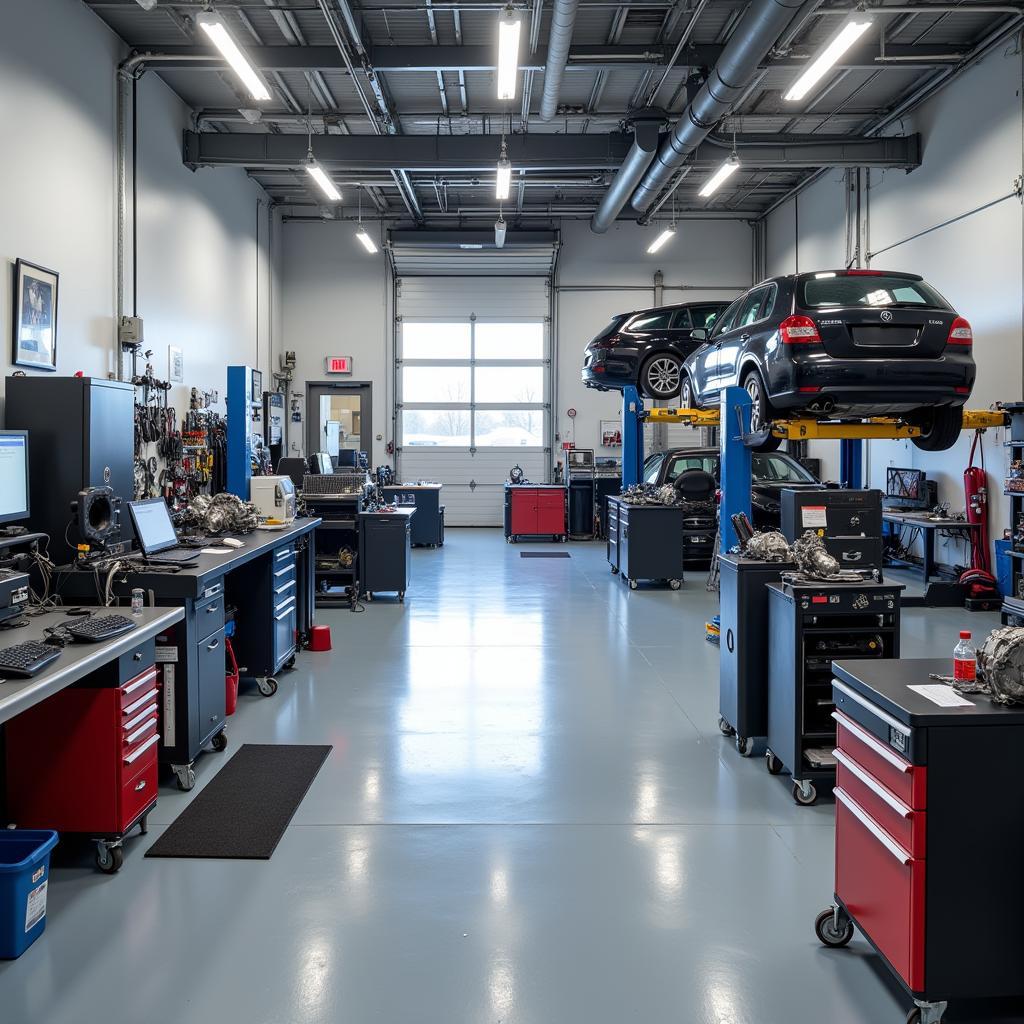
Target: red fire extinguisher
(976,504)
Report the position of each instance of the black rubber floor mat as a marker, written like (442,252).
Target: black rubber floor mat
(544,554)
(243,811)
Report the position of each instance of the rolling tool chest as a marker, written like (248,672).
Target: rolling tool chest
(273,584)
(85,760)
(929,828)
(743,665)
(809,626)
(385,542)
(849,522)
(534,510)
(646,542)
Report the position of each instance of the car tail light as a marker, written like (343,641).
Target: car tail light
(718,496)
(799,330)
(962,391)
(960,333)
(809,390)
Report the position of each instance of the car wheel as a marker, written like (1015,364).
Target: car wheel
(760,412)
(940,428)
(686,399)
(661,376)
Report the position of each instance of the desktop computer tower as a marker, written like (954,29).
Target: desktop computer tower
(81,434)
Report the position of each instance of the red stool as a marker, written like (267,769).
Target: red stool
(320,638)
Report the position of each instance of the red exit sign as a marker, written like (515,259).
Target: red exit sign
(338,364)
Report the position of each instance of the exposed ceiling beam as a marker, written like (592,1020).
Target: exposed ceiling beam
(537,152)
(394,59)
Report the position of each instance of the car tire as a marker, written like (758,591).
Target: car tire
(762,412)
(940,428)
(686,395)
(664,371)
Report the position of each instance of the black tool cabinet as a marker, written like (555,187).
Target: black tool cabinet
(809,625)
(385,543)
(646,542)
(428,523)
(743,664)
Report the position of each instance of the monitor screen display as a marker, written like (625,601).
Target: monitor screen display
(153,525)
(13,475)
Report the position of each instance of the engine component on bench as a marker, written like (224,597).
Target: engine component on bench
(1001,664)
(219,514)
(811,557)
(769,546)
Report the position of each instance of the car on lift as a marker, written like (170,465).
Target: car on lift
(840,345)
(646,348)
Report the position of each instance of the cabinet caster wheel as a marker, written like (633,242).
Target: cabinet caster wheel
(109,859)
(615,571)
(929,1013)
(725,728)
(401,596)
(186,778)
(744,745)
(828,934)
(772,763)
(220,742)
(290,663)
(675,584)
(805,794)
(267,685)
(632,584)
(144,825)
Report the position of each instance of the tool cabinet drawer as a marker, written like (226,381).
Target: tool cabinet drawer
(134,732)
(907,782)
(132,662)
(283,555)
(891,814)
(209,616)
(144,682)
(138,792)
(883,888)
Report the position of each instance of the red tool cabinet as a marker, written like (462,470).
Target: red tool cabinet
(534,510)
(85,759)
(929,824)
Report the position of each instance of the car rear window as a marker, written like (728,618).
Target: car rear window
(841,290)
(681,463)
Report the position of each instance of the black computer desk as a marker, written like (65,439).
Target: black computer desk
(269,584)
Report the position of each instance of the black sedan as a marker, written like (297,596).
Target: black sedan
(841,344)
(771,472)
(646,348)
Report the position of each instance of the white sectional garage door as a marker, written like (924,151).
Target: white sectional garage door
(473,386)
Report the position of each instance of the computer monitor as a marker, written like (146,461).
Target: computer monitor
(13,475)
(153,526)
(320,462)
(348,458)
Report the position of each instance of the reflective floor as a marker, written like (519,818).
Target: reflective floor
(528,817)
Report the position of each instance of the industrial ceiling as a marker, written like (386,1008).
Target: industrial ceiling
(401,101)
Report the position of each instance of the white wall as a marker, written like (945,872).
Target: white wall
(972,155)
(197,245)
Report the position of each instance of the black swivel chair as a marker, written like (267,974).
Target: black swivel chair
(695,485)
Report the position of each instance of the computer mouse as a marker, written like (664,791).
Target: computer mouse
(233,542)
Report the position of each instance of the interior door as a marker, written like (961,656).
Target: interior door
(339,418)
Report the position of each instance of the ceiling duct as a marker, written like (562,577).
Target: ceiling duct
(751,41)
(646,126)
(563,17)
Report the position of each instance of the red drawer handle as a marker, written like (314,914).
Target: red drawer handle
(879,833)
(870,741)
(876,787)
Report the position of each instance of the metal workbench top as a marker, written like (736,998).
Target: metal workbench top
(77,660)
(886,683)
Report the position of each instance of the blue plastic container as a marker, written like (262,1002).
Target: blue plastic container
(24,877)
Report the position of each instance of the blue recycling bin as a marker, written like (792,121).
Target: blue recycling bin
(24,877)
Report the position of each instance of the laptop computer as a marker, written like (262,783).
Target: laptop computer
(155,531)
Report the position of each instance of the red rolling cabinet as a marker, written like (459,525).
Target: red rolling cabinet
(534,510)
(85,759)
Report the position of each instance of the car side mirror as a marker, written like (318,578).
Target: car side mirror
(699,334)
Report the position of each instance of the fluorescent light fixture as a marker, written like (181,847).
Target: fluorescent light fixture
(664,237)
(715,181)
(146,5)
(851,31)
(365,240)
(509,26)
(503,180)
(213,25)
(500,228)
(470,245)
(319,175)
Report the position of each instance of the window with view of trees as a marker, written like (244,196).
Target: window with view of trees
(473,383)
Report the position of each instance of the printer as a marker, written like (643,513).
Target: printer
(273,496)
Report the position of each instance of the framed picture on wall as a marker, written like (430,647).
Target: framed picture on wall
(611,434)
(35,316)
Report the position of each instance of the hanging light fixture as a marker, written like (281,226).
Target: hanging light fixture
(216,29)
(853,28)
(509,28)
(500,229)
(315,171)
(715,181)
(362,235)
(667,234)
(503,181)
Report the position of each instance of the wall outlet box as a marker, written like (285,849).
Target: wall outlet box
(129,331)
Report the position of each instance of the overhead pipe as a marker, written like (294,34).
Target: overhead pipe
(638,159)
(563,18)
(754,36)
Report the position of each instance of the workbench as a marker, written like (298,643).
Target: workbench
(922,521)
(929,822)
(81,736)
(269,583)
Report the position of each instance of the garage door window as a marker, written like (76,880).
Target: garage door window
(473,383)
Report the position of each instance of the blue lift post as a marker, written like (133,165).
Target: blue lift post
(851,463)
(632,436)
(239,402)
(734,468)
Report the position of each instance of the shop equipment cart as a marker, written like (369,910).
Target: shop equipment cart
(646,542)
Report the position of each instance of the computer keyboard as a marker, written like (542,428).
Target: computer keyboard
(103,627)
(27,659)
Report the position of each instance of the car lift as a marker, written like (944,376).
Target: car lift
(736,443)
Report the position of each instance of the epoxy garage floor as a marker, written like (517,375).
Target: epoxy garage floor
(528,817)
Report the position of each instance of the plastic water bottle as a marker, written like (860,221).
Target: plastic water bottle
(965,660)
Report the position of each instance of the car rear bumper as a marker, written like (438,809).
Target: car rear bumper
(610,369)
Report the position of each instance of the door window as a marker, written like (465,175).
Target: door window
(653,321)
(681,320)
(652,467)
(750,307)
(707,316)
(725,322)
